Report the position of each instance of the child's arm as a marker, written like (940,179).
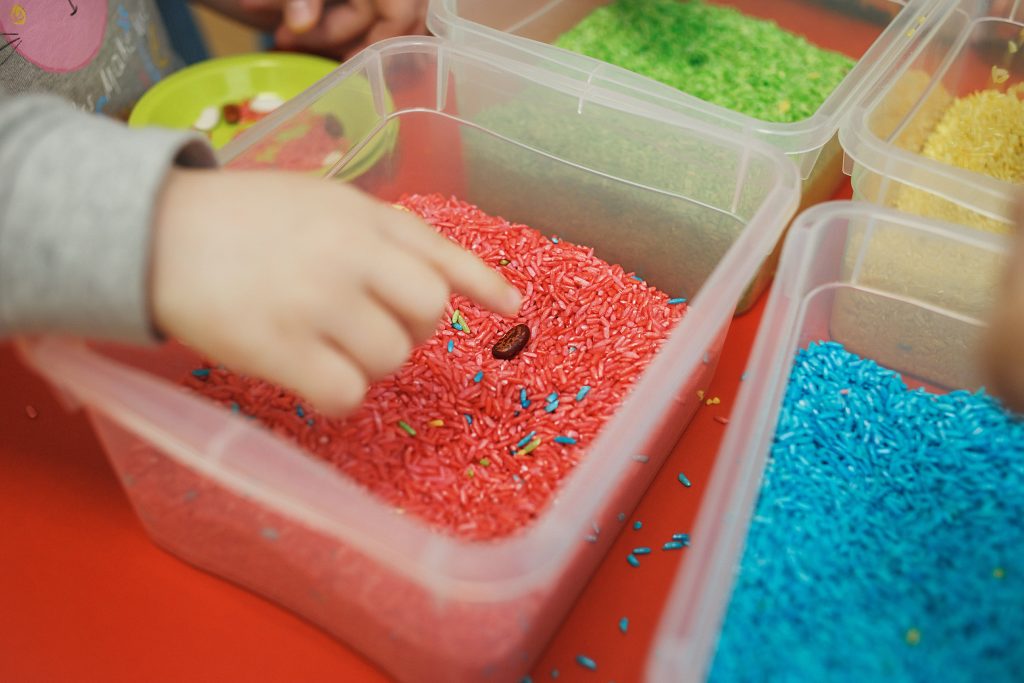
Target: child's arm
(76,201)
(315,285)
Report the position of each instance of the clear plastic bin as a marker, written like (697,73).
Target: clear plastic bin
(876,32)
(837,281)
(227,496)
(886,130)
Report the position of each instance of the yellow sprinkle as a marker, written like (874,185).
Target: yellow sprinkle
(913,636)
(911,32)
(465,326)
(436,423)
(528,448)
(715,401)
(470,471)
(456,316)
(784,106)
(485,462)
(709,402)
(700,394)
(400,208)
(921,19)
(999,75)
(999,573)
(1012,47)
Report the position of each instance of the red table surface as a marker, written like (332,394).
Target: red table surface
(85,596)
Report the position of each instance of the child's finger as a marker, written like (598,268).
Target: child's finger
(339,25)
(324,375)
(466,273)
(378,343)
(302,15)
(411,288)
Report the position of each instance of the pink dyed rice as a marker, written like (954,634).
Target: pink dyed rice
(592,324)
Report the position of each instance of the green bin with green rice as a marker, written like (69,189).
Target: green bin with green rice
(784,72)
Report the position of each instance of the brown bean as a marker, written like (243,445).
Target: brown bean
(232,113)
(511,343)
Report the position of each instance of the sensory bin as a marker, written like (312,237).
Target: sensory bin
(717,53)
(886,543)
(473,444)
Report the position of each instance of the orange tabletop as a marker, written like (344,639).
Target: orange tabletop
(85,596)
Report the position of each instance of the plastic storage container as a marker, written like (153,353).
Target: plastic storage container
(876,32)
(837,282)
(885,131)
(230,498)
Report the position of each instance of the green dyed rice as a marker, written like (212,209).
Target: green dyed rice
(715,53)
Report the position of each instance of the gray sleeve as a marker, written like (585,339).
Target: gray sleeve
(76,205)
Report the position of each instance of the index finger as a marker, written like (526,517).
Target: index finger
(466,273)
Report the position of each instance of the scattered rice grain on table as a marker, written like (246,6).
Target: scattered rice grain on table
(887,541)
(472,444)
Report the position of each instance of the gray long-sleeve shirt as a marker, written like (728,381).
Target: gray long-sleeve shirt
(77,197)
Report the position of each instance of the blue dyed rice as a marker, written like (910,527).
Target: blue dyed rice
(885,521)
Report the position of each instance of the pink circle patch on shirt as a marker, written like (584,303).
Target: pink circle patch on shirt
(55,35)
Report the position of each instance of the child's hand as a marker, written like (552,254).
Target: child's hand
(304,282)
(340,29)
(1004,356)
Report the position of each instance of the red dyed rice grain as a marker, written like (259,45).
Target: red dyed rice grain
(566,289)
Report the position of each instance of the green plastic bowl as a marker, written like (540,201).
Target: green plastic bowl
(178,100)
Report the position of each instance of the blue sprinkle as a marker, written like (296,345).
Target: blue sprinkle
(637,278)
(682,538)
(631,558)
(743,377)
(526,679)
(554,673)
(201,373)
(478,376)
(684,481)
(677,300)
(457,326)
(551,407)
(553,397)
(451,345)
(582,393)
(572,349)
(469,418)
(235,408)
(522,399)
(310,422)
(637,525)
(621,517)
(567,440)
(624,624)
(642,550)
(526,439)
(555,240)
(299,411)
(586,662)
(672,545)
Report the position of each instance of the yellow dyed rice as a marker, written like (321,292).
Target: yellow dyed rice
(982,132)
